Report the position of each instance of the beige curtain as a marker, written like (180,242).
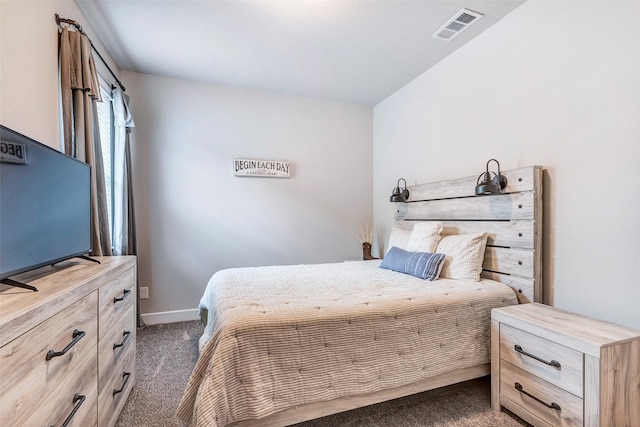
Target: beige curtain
(80,91)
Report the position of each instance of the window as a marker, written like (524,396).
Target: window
(105,123)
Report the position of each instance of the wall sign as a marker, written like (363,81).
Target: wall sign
(268,168)
(13,152)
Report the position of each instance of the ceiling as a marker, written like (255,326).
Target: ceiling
(349,51)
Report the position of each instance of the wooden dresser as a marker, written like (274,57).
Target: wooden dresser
(67,352)
(554,368)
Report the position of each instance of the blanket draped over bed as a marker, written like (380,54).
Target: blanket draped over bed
(282,336)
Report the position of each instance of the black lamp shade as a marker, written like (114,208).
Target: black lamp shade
(489,185)
(400,194)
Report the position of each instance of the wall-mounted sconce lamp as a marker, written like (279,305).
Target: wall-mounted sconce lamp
(400,195)
(491,185)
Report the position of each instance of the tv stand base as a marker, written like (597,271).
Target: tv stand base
(17,284)
(88,258)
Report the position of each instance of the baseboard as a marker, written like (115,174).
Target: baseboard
(171,316)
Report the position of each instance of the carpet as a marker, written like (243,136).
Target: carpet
(167,353)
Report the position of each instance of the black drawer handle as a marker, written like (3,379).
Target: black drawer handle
(553,363)
(77,336)
(552,405)
(125,377)
(78,400)
(125,293)
(125,337)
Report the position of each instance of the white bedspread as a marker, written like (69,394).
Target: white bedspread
(282,336)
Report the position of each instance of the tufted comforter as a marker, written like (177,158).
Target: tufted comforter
(283,336)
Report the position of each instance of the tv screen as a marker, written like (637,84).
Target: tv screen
(45,214)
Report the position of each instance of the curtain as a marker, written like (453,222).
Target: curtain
(124,225)
(80,90)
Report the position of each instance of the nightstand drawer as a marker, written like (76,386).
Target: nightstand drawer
(535,396)
(546,359)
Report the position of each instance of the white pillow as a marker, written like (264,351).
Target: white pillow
(464,256)
(399,238)
(425,237)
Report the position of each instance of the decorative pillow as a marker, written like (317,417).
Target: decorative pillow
(425,237)
(399,238)
(424,265)
(464,256)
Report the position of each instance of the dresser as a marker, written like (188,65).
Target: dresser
(67,352)
(554,368)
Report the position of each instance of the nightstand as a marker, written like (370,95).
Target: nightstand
(555,368)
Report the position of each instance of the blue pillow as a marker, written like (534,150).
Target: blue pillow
(424,265)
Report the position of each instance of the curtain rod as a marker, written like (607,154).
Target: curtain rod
(81,31)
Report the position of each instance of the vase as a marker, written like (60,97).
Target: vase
(366,252)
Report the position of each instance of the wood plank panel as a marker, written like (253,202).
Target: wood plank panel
(509,261)
(524,288)
(522,179)
(495,365)
(499,207)
(591,391)
(620,377)
(515,234)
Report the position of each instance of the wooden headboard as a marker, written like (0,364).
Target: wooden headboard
(512,221)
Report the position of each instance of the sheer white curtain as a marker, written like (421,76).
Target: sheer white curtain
(124,224)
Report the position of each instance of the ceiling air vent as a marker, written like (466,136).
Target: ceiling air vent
(454,26)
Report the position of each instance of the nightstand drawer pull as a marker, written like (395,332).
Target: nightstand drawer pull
(78,400)
(125,337)
(125,294)
(77,336)
(553,405)
(125,377)
(553,363)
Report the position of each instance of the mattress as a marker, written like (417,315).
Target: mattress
(283,336)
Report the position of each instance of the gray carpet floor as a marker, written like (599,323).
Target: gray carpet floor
(166,354)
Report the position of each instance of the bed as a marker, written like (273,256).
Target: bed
(284,344)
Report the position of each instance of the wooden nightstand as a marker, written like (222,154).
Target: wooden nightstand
(555,368)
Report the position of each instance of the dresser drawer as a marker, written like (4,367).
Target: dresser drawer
(569,407)
(115,298)
(115,388)
(119,341)
(532,352)
(28,376)
(75,400)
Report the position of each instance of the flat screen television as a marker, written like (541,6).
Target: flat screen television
(45,213)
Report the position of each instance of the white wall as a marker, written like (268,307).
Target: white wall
(29,66)
(194,217)
(555,84)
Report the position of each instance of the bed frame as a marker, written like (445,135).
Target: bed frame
(513,221)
